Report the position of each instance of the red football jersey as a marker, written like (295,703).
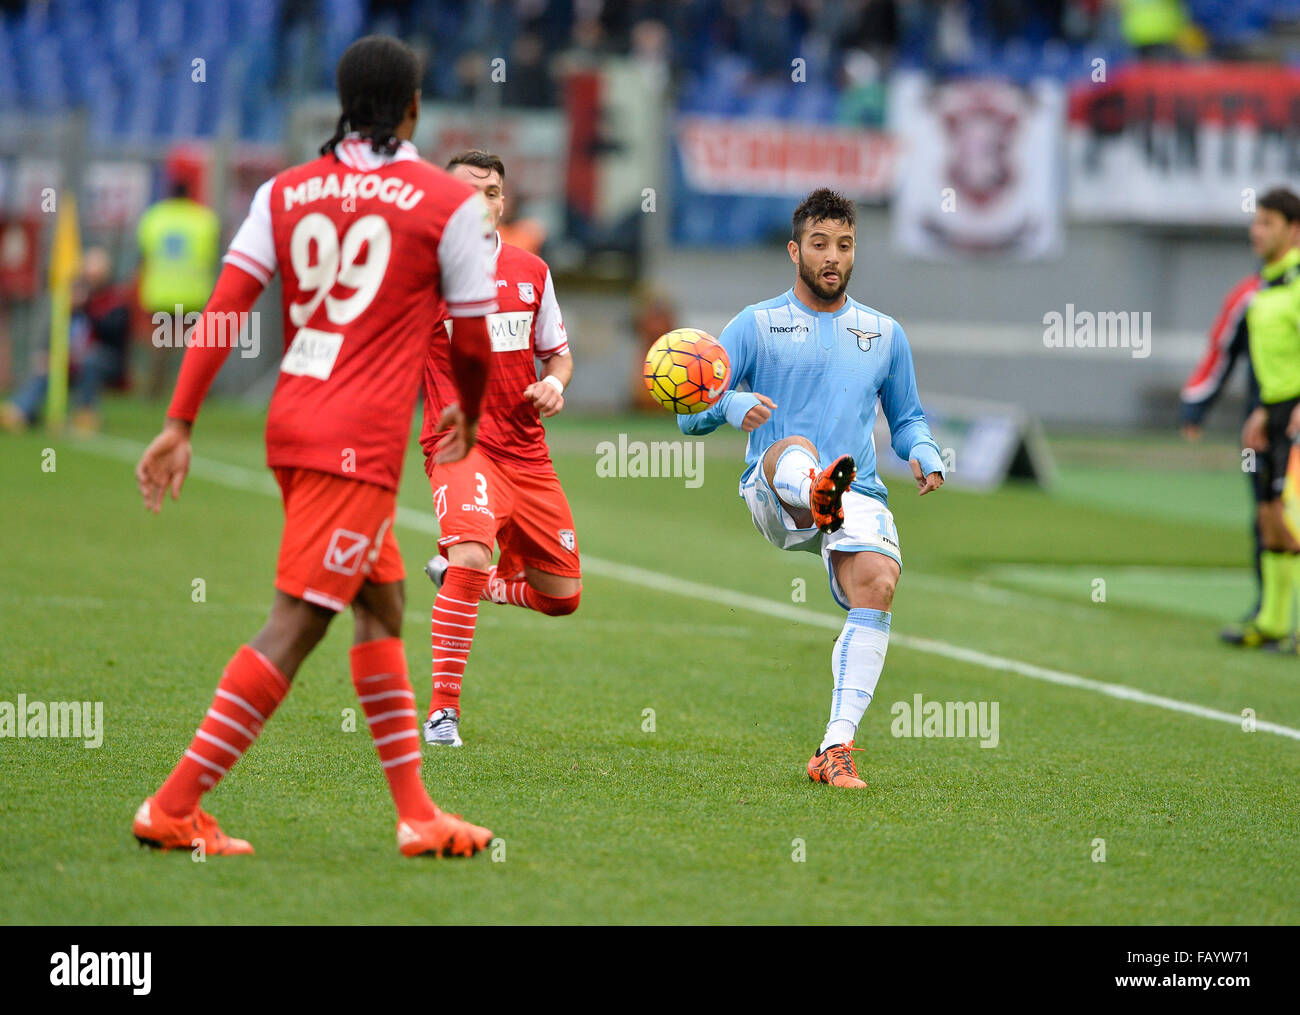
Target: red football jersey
(360,238)
(526,326)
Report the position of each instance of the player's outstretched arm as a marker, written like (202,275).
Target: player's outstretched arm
(166,461)
(745,410)
(909,432)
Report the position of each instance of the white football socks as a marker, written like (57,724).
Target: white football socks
(856,662)
(792,478)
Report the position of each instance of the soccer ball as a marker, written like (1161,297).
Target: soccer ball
(687,370)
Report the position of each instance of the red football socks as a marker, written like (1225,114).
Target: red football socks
(379,675)
(249,691)
(455,613)
(520,593)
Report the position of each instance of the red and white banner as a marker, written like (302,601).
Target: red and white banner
(777,158)
(981,168)
(1182,143)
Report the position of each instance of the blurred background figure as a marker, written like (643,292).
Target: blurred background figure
(97,350)
(1158,29)
(1273,337)
(179,253)
(1229,344)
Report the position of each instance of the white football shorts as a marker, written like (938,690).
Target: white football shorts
(868,527)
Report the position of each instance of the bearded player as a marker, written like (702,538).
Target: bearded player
(821,360)
(359,236)
(505,491)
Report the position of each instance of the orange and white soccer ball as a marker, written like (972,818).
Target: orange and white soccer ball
(687,370)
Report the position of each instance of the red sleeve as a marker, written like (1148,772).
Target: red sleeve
(236,291)
(471,359)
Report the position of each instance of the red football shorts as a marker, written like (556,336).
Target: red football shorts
(526,513)
(338,533)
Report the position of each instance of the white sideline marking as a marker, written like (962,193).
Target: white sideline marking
(241,478)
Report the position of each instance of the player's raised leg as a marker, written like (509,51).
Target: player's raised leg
(867,579)
(252,686)
(380,677)
(540,566)
(532,588)
(812,496)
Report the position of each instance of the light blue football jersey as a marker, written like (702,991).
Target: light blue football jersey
(825,372)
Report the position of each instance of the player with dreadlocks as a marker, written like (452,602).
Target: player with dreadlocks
(360,236)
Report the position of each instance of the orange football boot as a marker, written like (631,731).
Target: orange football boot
(445,835)
(824,499)
(159,830)
(835,767)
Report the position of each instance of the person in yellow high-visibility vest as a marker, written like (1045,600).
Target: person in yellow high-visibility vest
(1157,29)
(180,249)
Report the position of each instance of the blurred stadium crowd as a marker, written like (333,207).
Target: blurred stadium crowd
(124,59)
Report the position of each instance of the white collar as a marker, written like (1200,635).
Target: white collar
(356,152)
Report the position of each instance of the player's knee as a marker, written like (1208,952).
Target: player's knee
(558,606)
(376,627)
(293,628)
(372,624)
(377,611)
(774,453)
(874,589)
(879,588)
(472,555)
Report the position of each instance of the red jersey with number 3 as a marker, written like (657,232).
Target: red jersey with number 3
(360,238)
(525,327)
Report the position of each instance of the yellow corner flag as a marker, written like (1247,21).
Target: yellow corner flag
(65,262)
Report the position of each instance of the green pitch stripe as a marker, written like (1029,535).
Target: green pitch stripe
(256,481)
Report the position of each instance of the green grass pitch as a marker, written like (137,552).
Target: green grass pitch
(710,818)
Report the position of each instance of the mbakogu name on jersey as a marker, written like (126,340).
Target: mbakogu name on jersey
(390,190)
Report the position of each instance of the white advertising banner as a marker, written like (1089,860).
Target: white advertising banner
(981,168)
